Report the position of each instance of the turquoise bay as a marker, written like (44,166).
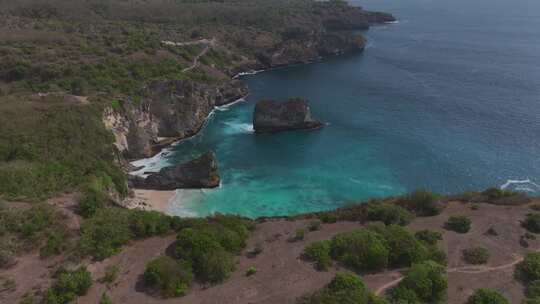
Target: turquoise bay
(446,99)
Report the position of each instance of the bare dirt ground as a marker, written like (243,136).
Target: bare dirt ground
(283,276)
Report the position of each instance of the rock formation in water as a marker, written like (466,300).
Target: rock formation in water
(198,173)
(272,117)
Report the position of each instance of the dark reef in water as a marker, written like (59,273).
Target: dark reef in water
(272,117)
(198,173)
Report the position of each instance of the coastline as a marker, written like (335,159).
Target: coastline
(164,146)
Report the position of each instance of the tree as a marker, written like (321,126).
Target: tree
(423,203)
(529,269)
(168,277)
(361,250)
(427,280)
(487,296)
(458,223)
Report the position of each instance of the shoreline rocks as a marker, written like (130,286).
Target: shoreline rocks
(201,172)
(273,117)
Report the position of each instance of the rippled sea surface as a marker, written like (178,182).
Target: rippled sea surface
(446,99)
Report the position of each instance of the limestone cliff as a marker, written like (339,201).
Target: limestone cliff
(169,111)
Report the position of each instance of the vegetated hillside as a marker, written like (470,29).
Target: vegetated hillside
(62,63)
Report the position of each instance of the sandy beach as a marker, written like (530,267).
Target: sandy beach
(151,200)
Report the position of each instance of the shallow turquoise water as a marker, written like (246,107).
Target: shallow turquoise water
(447,99)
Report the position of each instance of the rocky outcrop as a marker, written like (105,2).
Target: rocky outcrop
(272,117)
(169,111)
(198,173)
(379,17)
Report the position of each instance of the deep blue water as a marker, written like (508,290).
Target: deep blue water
(447,99)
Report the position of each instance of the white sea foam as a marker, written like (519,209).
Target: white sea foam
(151,164)
(524,185)
(227,106)
(238,128)
(253,72)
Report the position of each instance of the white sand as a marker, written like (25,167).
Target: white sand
(150,200)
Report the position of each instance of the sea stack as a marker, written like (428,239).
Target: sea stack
(201,172)
(273,117)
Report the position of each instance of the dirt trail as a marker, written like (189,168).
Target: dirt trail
(464,269)
(196,59)
(208,43)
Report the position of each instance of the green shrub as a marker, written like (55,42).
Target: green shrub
(168,277)
(361,250)
(529,269)
(54,148)
(192,243)
(105,299)
(105,233)
(429,237)
(343,289)
(319,252)
(40,226)
(535,207)
(423,203)
(57,242)
(476,255)
(299,234)
(491,232)
(6,258)
(531,301)
(497,193)
(427,280)
(209,248)
(215,267)
(328,218)
(533,289)
(532,222)
(314,225)
(111,274)
(404,248)
(388,213)
(251,271)
(94,195)
(487,296)
(437,255)
(404,295)
(458,223)
(68,286)
(149,223)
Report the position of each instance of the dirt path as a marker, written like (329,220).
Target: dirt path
(208,43)
(464,269)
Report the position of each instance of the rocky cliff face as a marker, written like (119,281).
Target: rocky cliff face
(170,111)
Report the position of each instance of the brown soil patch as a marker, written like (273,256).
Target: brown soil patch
(283,276)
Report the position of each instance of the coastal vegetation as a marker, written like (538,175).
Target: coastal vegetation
(40,227)
(372,249)
(487,296)
(344,288)
(458,223)
(424,282)
(68,286)
(422,203)
(532,222)
(476,255)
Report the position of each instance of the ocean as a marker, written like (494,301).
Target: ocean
(447,99)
